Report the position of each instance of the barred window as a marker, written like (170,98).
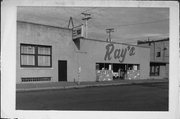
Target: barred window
(36,55)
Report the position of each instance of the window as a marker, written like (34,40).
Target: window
(32,79)
(158,54)
(166,52)
(136,67)
(149,43)
(35,56)
(154,69)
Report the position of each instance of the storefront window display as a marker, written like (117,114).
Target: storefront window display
(118,71)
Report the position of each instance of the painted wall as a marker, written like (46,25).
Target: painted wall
(94,52)
(81,63)
(161,46)
(63,48)
(163,73)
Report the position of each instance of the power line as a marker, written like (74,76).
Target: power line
(74,16)
(123,25)
(117,26)
(155,21)
(133,24)
(89,9)
(85,11)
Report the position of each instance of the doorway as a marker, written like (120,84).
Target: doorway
(62,70)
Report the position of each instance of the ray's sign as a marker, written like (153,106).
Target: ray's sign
(118,53)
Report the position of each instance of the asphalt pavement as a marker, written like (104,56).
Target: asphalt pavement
(136,97)
(68,85)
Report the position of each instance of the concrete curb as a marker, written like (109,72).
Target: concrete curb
(83,86)
(67,87)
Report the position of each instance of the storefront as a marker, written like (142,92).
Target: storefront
(49,54)
(117,71)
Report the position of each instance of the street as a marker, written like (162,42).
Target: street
(137,97)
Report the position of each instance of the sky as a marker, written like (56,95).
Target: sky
(130,23)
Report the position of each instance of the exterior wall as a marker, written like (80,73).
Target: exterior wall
(81,64)
(94,52)
(156,46)
(161,46)
(62,49)
(162,74)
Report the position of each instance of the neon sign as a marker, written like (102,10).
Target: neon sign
(118,54)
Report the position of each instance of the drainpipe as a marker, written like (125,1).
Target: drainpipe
(154,51)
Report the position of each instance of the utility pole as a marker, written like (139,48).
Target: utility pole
(108,31)
(86,18)
(149,41)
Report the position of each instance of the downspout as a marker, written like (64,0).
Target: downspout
(154,51)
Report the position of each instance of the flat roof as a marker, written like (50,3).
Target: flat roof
(146,42)
(44,25)
(96,40)
(114,42)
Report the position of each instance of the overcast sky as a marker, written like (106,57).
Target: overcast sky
(130,24)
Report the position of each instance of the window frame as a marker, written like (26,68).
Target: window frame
(158,54)
(154,72)
(36,55)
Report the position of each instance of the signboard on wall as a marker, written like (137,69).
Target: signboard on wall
(118,53)
(78,32)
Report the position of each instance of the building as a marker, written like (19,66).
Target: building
(159,57)
(49,54)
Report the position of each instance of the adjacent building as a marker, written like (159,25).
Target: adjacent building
(159,57)
(50,54)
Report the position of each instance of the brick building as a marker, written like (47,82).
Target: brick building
(159,57)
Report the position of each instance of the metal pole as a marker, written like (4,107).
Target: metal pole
(86,29)
(86,18)
(109,33)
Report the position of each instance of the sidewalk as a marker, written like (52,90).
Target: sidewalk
(68,85)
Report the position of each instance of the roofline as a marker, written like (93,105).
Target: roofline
(160,62)
(114,42)
(44,25)
(144,42)
(82,38)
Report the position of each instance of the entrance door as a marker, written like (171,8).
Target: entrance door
(62,70)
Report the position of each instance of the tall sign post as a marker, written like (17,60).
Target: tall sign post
(86,18)
(108,31)
(77,34)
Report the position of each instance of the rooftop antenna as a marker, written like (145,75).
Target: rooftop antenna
(70,22)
